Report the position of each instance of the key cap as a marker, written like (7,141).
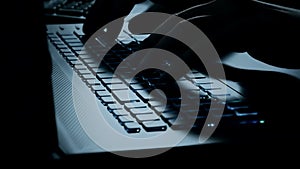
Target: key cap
(84,57)
(186,84)
(75,62)
(77,48)
(125,96)
(93,65)
(88,76)
(108,100)
(98,70)
(56,43)
(125,119)
(146,117)
(144,94)
(132,127)
(121,86)
(76,44)
(82,52)
(137,86)
(88,61)
(120,113)
(245,112)
(83,71)
(97,88)
(158,125)
(91,82)
(105,75)
(112,81)
(65,50)
(197,75)
(218,93)
(102,93)
(136,111)
(212,86)
(160,109)
(169,115)
(236,105)
(131,105)
(114,106)
(202,81)
(62,46)
(79,67)
(70,58)
(153,103)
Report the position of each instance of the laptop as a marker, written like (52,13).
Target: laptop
(131,108)
(100,111)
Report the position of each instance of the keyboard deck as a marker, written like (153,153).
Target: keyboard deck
(143,111)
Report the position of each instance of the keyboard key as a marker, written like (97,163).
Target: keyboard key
(105,75)
(68,37)
(92,65)
(125,119)
(102,93)
(132,127)
(83,71)
(136,111)
(137,86)
(82,52)
(75,62)
(65,50)
(132,105)
(153,103)
(79,67)
(202,81)
(76,44)
(84,56)
(112,81)
(236,105)
(160,109)
(245,112)
(158,125)
(169,115)
(130,81)
(212,86)
(114,106)
(91,82)
(146,117)
(56,43)
(144,94)
(88,61)
(71,58)
(88,76)
(121,86)
(97,88)
(218,93)
(108,100)
(120,113)
(77,48)
(62,46)
(186,84)
(125,96)
(197,75)
(98,70)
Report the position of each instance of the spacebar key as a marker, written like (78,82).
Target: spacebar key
(157,125)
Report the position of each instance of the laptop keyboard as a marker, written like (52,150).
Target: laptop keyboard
(144,110)
(68,9)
